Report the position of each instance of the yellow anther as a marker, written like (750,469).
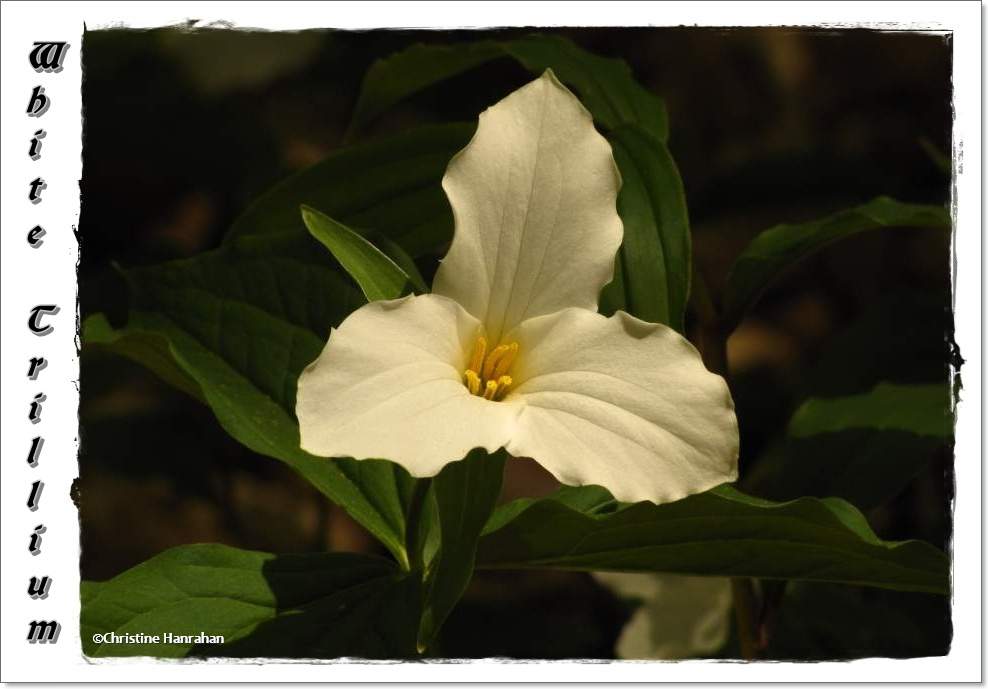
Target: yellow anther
(487,375)
(490,390)
(504,364)
(493,359)
(503,383)
(472,380)
(477,358)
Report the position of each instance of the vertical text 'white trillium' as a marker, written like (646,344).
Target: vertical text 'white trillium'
(509,350)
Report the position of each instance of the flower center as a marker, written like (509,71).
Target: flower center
(487,376)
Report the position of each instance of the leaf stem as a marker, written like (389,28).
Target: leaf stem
(413,524)
(713,347)
(744,614)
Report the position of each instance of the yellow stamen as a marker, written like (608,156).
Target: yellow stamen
(487,374)
(472,380)
(477,359)
(492,361)
(503,383)
(490,390)
(504,364)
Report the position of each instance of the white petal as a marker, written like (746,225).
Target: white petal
(681,617)
(533,197)
(621,403)
(388,385)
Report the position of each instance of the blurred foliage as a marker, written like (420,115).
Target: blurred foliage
(184,129)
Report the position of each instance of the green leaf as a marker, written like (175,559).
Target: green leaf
(776,249)
(866,467)
(892,367)
(606,86)
(392,79)
(390,186)
(864,448)
(904,337)
(721,532)
(918,409)
(465,492)
(321,605)
(585,499)
(652,275)
(402,260)
(377,275)
(148,349)
(242,322)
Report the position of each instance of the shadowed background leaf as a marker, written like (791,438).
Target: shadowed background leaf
(242,321)
(779,247)
(323,605)
(605,86)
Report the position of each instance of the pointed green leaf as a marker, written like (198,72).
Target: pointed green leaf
(401,258)
(377,275)
(242,322)
(721,532)
(321,605)
(864,448)
(606,86)
(865,466)
(779,247)
(145,348)
(392,79)
(917,409)
(585,500)
(652,275)
(390,186)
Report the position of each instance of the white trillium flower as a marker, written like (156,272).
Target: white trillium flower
(509,350)
(680,616)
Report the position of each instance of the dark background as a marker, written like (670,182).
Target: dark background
(183,129)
